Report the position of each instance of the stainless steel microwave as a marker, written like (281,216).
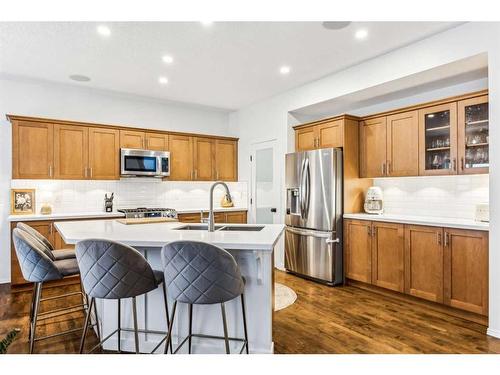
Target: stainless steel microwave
(144,163)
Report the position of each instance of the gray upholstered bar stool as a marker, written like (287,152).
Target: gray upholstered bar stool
(198,273)
(38,267)
(58,254)
(111,270)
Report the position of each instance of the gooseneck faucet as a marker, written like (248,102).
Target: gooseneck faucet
(211,221)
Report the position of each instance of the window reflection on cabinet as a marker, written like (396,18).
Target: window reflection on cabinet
(438,137)
(473,135)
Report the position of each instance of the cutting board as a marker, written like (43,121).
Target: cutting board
(146,220)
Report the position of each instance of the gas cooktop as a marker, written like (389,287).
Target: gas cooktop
(141,212)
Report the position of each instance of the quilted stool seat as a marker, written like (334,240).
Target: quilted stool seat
(112,270)
(199,273)
(39,266)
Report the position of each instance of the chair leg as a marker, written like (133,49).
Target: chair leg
(38,294)
(190,326)
(224,323)
(166,312)
(244,321)
(86,324)
(136,332)
(119,326)
(170,326)
(32,307)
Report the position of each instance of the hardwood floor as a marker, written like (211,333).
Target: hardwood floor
(352,320)
(322,320)
(14,313)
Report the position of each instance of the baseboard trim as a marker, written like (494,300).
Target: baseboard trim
(493,332)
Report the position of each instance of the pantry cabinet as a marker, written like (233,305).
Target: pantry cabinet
(424,262)
(466,270)
(32,150)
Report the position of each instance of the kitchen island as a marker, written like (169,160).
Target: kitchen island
(251,245)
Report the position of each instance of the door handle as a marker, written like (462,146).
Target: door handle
(336,240)
(301,190)
(309,233)
(307,181)
(273,210)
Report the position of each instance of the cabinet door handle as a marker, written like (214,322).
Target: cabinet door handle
(85,172)
(216,175)
(91,172)
(462,163)
(383,169)
(446,239)
(51,228)
(369,228)
(388,167)
(439,238)
(195,174)
(454,163)
(50,171)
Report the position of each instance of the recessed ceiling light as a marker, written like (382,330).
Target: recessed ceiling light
(104,30)
(285,69)
(335,25)
(361,34)
(167,59)
(206,23)
(79,78)
(163,80)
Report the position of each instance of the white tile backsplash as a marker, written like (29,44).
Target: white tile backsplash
(88,196)
(445,196)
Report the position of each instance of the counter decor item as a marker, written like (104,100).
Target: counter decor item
(108,202)
(46,209)
(22,201)
(226,201)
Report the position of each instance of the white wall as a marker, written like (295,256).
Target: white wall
(67,102)
(269,118)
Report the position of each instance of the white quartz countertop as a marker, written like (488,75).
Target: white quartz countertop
(423,220)
(100,214)
(65,215)
(159,234)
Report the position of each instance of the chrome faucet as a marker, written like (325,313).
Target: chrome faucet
(211,221)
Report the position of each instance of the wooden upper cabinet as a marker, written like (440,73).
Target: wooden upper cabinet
(473,135)
(226,160)
(438,140)
(132,139)
(104,154)
(466,270)
(424,262)
(181,158)
(330,134)
(305,139)
(32,150)
(71,152)
(373,147)
(388,255)
(156,141)
(402,144)
(358,250)
(204,159)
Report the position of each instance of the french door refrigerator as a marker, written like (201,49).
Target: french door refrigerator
(313,234)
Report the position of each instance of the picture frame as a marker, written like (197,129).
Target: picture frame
(22,201)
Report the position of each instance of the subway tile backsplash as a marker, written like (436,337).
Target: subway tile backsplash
(444,196)
(88,196)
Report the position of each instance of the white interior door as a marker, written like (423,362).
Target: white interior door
(265,185)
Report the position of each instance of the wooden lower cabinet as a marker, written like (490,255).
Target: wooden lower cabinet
(466,270)
(233,217)
(424,262)
(442,265)
(357,250)
(388,255)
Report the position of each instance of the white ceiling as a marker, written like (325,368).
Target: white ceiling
(227,65)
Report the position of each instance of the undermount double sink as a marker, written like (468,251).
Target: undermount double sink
(222,228)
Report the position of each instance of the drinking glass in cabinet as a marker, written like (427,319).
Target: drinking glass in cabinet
(476,136)
(437,140)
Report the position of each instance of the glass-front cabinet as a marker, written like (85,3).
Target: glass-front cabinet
(438,139)
(473,135)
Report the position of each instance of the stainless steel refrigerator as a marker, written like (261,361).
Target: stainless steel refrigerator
(313,235)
